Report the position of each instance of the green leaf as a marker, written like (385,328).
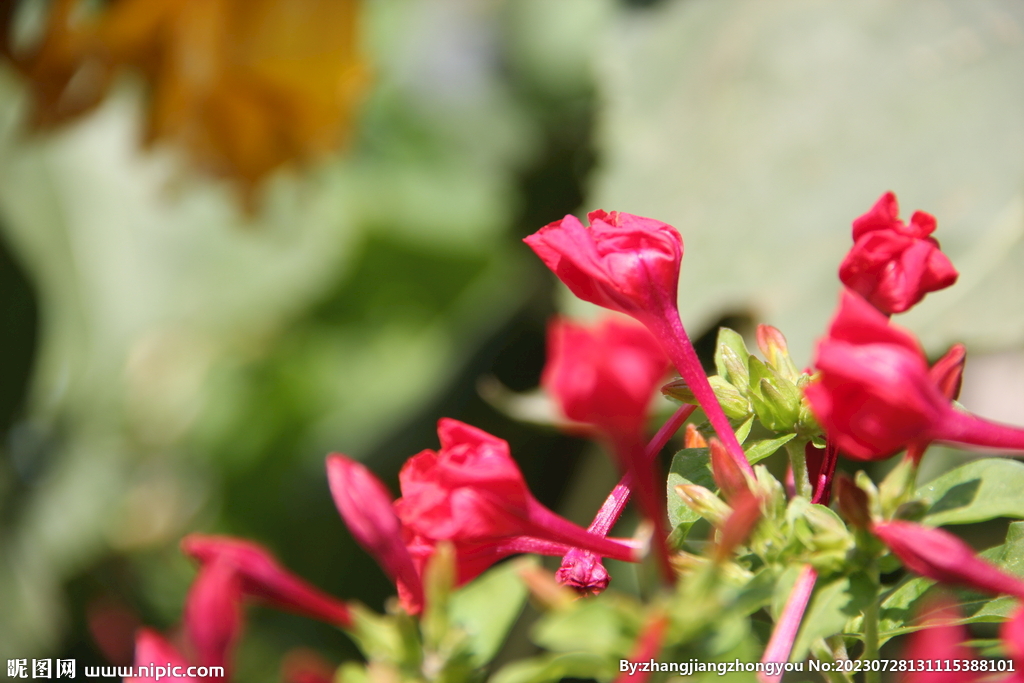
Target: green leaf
(832,605)
(689,466)
(762,449)
(606,626)
(555,667)
(902,605)
(975,492)
(488,607)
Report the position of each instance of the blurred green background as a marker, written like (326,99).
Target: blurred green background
(176,359)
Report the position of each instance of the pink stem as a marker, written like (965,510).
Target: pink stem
(611,510)
(672,335)
(961,427)
(551,526)
(823,488)
(780,645)
(645,481)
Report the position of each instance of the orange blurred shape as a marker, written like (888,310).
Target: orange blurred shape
(244,86)
(302,665)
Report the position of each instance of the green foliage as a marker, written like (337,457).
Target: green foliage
(975,492)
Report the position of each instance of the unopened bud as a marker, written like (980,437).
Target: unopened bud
(773,345)
(738,526)
(704,503)
(948,371)
(731,358)
(731,480)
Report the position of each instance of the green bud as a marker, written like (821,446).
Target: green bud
(704,503)
(731,358)
(773,345)
(735,405)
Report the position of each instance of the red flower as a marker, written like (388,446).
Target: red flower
(941,556)
(262,577)
(471,492)
(213,621)
(604,376)
(892,264)
(623,262)
(876,393)
(631,264)
(366,506)
(942,640)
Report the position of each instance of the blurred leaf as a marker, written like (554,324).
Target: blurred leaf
(554,668)
(488,607)
(605,627)
(975,492)
(831,606)
(762,130)
(901,607)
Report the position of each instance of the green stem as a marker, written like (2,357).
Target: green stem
(823,652)
(871,614)
(798,461)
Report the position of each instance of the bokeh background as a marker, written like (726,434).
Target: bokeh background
(238,235)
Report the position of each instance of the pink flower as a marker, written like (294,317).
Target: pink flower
(623,262)
(941,556)
(877,395)
(471,493)
(366,506)
(213,622)
(942,640)
(604,376)
(262,577)
(631,264)
(892,264)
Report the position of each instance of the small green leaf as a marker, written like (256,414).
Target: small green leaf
(607,626)
(743,431)
(975,492)
(762,449)
(689,466)
(488,607)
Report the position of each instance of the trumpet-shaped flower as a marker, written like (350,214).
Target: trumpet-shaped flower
(892,264)
(471,492)
(212,624)
(877,395)
(631,264)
